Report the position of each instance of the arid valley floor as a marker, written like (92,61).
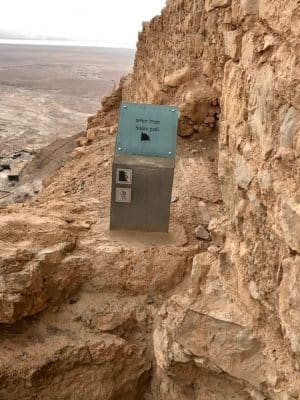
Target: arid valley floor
(47,92)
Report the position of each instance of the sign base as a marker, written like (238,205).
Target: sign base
(141,193)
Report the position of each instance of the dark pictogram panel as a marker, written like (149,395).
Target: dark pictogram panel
(145,137)
(124,176)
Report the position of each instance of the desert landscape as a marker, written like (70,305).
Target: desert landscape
(46,95)
(210,310)
(47,92)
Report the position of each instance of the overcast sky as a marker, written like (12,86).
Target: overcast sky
(112,21)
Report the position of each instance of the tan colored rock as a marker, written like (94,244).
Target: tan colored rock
(243,172)
(231,331)
(202,233)
(210,120)
(82,142)
(266,182)
(289,298)
(185,129)
(290,223)
(280,16)
(217,229)
(200,268)
(249,7)
(193,109)
(94,133)
(285,155)
(232,44)
(36,278)
(207,68)
(22,293)
(98,356)
(78,152)
(91,135)
(113,129)
(203,337)
(261,98)
(288,128)
(248,49)
(269,41)
(179,77)
(254,291)
(204,214)
(212,4)
(228,340)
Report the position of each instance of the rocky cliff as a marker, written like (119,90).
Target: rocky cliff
(87,314)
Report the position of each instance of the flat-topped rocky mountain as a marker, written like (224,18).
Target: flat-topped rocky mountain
(90,314)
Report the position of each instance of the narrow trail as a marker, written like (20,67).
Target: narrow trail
(98,291)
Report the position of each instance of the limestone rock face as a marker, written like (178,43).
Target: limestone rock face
(29,270)
(208,335)
(290,223)
(178,78)
(201,233)
(95,356)
(289,298)
(232,44)
(244,59)
(212,4)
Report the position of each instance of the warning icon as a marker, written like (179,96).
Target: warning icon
(123,195)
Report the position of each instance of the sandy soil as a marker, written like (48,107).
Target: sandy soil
(47,92)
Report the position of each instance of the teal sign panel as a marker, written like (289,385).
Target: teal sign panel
(147,130)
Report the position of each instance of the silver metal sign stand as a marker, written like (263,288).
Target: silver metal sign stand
(143,168)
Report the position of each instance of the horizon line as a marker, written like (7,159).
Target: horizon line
(67,42)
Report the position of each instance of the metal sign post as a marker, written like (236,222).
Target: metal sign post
(143,167)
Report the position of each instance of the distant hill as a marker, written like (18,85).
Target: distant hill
(23,36)
(10,35)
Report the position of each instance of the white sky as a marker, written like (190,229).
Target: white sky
(114,21)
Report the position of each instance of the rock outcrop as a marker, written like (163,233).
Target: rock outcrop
(233,67)
(173,317)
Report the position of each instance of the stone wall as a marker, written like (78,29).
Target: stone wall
(180,59)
